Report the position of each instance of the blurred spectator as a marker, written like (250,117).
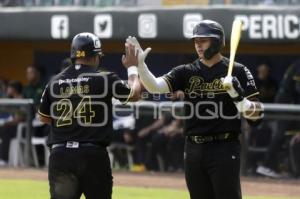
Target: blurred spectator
(267,86)
(152,139)
(144,140)
(14,90)
(8,128)
(261,135)
(2,89)
(295,154)
(65,63)
(34,90)
(168,143)
(289,92)
(35,87)
(267,2)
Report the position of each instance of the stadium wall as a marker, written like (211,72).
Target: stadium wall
(25,33)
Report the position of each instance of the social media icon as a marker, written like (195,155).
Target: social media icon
(103,25)
(60,26)
(189,22)
(147,26)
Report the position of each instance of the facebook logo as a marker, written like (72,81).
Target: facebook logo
(60,26)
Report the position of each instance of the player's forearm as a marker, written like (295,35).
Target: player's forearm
(134,83)
(150,82)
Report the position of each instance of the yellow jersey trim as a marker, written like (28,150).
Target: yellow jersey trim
(43,114)
(129,96)
(169,84)
(252,95)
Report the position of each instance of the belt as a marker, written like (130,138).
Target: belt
(211,138)
(74,145)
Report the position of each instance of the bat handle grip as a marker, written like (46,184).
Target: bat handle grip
(227,83)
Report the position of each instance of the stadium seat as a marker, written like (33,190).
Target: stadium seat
(35,141)
(185,2)
(239,1)
(120,146)
(295,2)
(16,154)
(104,3)
(217,2)
(17,145)
(28,3)
(125,2)
(63,2)
(83,2)
(283,2)
(44,2)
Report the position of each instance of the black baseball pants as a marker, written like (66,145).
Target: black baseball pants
(84,170)
(212,170)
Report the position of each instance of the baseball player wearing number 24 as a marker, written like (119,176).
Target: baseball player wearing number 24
(77,103)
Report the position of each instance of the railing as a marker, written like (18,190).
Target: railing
(271,112)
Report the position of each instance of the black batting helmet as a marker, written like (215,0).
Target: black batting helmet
(85,45)
(211,29)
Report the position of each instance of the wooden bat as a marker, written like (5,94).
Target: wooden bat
(234,42)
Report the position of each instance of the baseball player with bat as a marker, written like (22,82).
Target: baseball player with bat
(213,124)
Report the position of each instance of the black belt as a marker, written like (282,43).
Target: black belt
(74,145)
(211,138)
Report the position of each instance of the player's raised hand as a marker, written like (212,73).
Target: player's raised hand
(236,91)
(130,58)
(142,54)
(134,41)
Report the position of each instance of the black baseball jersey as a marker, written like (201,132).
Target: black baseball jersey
(78,100)
(208,107)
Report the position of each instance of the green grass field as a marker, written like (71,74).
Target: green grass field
(29,189)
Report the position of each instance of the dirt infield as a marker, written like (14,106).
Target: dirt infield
(250,186)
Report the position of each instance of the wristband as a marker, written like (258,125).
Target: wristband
(132,70)
(243,105)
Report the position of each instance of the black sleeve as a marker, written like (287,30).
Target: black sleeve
(251,92)
(45,103)
(286,89)
(120,88)
(174,78)
(247,82)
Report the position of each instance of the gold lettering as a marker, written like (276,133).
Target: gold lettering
(197,84)
(75,90)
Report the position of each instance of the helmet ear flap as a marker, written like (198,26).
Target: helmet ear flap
(215,47)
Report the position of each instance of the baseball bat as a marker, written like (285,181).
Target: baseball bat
(234,42)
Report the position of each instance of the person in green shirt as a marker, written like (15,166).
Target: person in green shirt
(35,87)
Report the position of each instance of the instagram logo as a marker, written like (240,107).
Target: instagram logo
(147,26)
(189,22)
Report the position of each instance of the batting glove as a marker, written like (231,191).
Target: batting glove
(236,91)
